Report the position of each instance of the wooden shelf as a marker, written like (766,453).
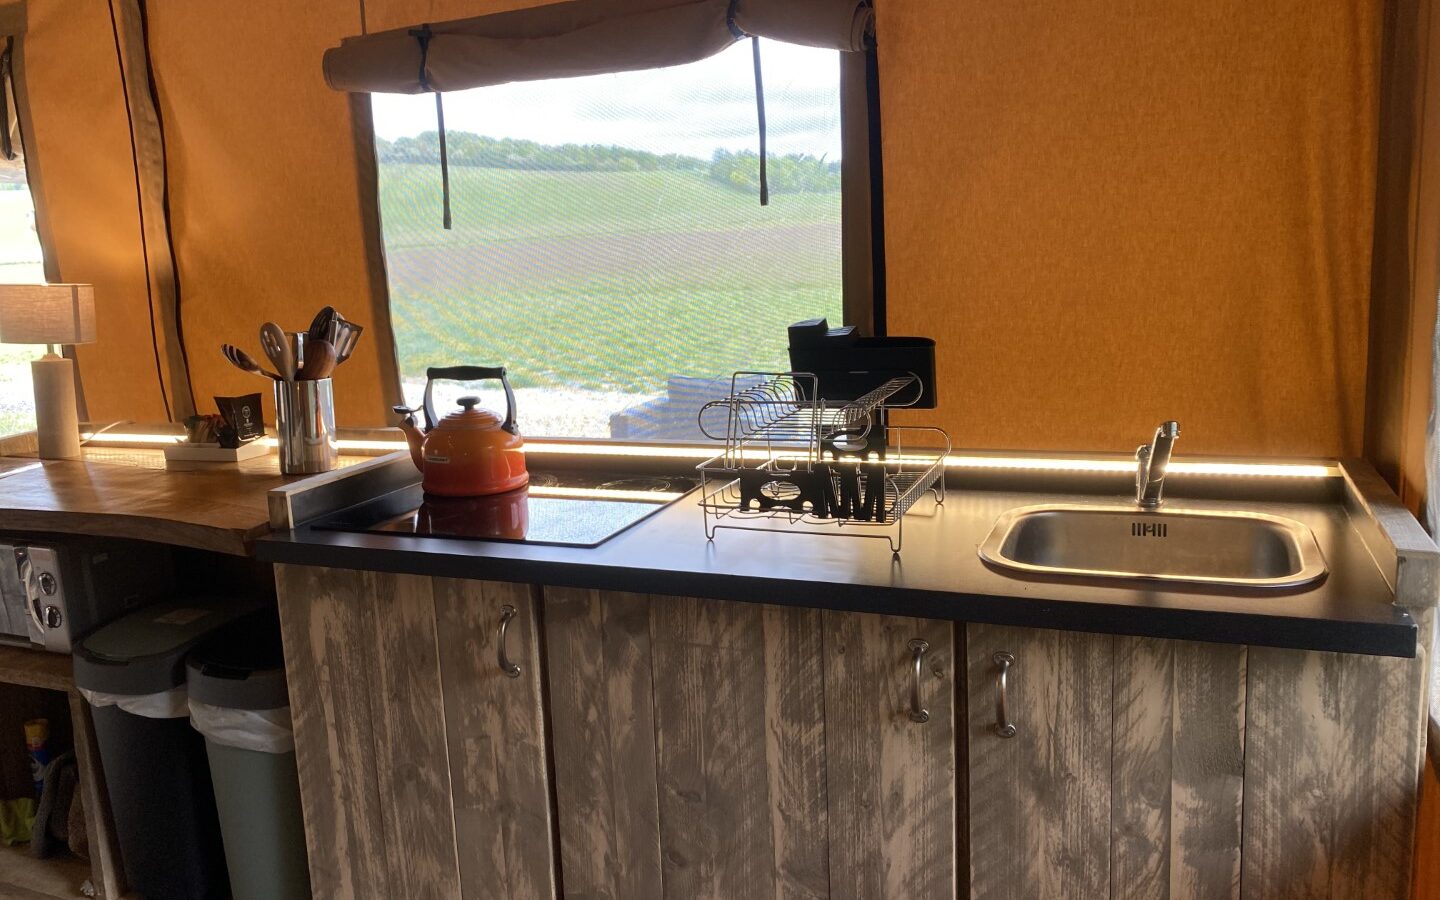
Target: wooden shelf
(36,668)
(22,876)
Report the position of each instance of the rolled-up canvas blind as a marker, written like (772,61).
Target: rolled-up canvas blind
(583,37)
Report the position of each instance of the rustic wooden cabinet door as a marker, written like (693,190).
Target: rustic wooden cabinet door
(891,779)
(712,749)
(370,746)
(1123,777)
(495,734)
(1039,799)
(422,765)
(689,747)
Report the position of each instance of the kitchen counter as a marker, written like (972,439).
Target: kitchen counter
(1355,609)
(129,493)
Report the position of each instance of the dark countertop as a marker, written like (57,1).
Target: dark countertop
(939,574)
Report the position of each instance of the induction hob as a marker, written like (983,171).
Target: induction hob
(560,509)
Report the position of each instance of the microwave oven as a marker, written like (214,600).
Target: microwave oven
(54,591)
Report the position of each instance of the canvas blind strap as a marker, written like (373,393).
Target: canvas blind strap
(8,148)
(760,115)
(423,34)
(739,33)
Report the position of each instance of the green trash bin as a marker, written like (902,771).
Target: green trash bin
(239,702)
(132,671)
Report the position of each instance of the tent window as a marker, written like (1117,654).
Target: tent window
(20,263)
(607,244)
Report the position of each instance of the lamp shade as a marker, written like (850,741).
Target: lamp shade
(47,314)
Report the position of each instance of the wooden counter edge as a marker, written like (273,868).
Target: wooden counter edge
(217,539)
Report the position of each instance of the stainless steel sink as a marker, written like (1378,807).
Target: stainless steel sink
(1237,549)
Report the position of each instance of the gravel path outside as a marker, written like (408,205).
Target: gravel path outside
(540,412)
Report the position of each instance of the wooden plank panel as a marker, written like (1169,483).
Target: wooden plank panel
(603,733)
(1331,774)
(795,748)
(409,732)
(740,749)
(891,781)
(1178,768)
(497,743)
(1040,801)
(36,668)
(329,637)
(1144,698)
(104,848)
(1207,770)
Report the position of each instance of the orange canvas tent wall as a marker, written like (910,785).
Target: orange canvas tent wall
(1106,214)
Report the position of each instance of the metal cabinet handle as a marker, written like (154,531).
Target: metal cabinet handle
(918,713)
(507,612)
(1003,726)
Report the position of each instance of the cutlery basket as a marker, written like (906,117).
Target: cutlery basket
(305,426)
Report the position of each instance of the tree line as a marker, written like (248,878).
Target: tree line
(787,173)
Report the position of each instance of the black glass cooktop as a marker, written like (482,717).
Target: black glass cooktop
(564,509)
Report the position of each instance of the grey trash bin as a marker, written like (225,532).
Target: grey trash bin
(239,702)
(132,671)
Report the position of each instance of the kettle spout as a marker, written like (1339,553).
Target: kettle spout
(413,435)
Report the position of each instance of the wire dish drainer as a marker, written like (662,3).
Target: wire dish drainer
(811,464)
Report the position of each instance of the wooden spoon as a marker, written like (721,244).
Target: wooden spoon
(320,361)
(276,345)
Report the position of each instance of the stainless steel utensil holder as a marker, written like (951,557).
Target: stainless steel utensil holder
(305,426)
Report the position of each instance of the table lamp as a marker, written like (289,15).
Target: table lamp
(51,314)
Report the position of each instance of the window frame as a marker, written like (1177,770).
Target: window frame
(862,242)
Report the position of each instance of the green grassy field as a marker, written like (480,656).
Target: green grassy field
(16,400)
(604,281)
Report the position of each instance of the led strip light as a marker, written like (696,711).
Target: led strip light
(699,454)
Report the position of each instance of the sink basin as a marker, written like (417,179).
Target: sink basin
(1237,549)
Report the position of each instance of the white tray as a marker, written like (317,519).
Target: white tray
(214,453)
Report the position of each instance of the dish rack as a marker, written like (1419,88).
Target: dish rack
(817,466)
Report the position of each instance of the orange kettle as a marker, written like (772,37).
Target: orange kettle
(471,452)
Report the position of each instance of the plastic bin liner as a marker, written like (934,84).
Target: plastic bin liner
(171,704)
(261,730)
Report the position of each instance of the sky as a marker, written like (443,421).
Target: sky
(692,109)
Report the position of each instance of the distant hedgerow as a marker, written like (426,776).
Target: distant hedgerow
(788,173)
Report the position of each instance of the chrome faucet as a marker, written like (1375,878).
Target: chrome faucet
(1152,460)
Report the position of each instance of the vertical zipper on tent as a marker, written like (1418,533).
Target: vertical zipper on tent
(422,35)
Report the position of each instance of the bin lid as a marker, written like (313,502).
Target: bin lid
(144,651)
(241,666)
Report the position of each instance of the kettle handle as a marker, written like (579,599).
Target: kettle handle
(468,373)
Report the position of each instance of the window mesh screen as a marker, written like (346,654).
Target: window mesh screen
(608,245)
